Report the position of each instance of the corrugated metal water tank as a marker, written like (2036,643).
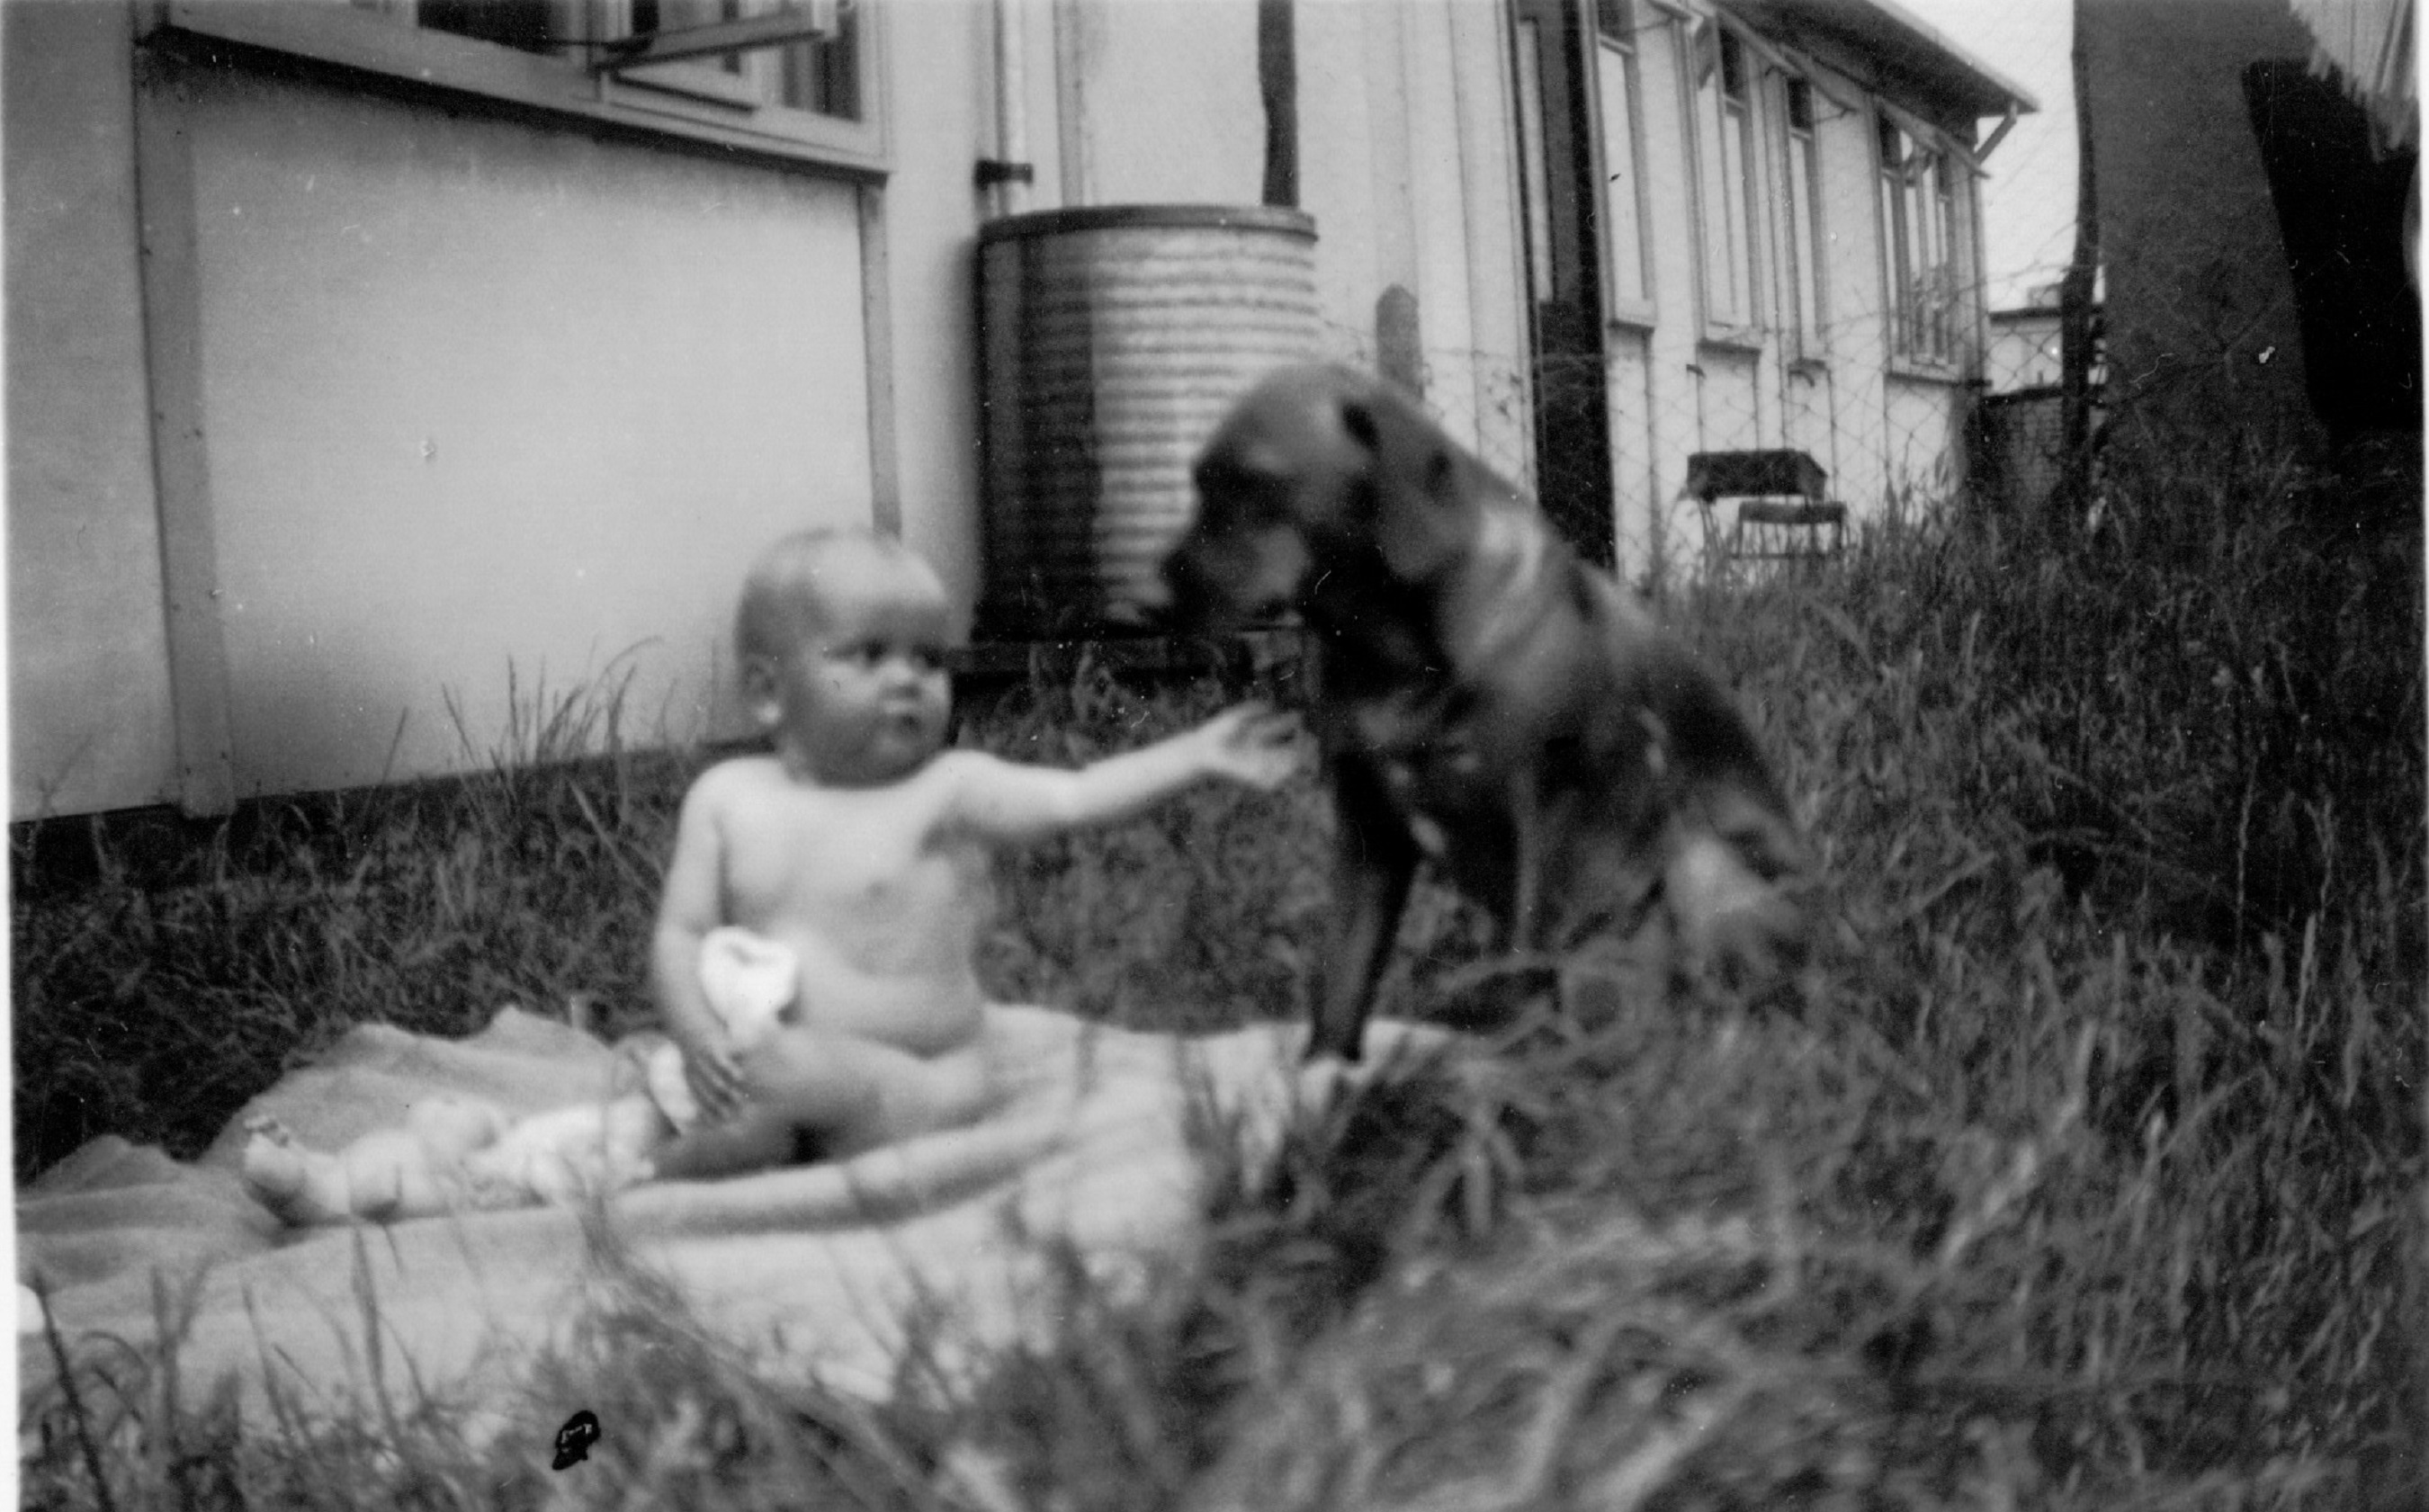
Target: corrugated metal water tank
(1113,338)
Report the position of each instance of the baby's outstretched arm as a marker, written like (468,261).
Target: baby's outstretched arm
(1253,744)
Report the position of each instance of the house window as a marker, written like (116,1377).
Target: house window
(1804,243)
(1917,252)
(1628,281)
(792,78)
(814,76)
(1724,150)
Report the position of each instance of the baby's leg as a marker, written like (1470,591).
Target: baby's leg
(853,1095)
(755,1138)
(803,1082)
(844,1095)
(299,1185)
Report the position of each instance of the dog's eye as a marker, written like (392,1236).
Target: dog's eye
(1360,422)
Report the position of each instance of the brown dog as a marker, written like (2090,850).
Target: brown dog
(1483,697)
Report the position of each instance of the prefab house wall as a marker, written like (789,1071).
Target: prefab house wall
(1884,425)
(371,389)
(89,710)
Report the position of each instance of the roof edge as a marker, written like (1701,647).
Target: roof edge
(1898,39)
(2026,101)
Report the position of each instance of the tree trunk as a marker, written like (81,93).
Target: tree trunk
(2078,309)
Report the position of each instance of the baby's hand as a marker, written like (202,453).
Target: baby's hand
(1255,743)
(714,1075)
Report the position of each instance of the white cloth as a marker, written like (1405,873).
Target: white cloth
(749,982)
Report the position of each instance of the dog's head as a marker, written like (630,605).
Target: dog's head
(1321,474)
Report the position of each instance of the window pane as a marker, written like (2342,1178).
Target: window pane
(1945,251)
(520,23)
(1734,158)
(1620,207)
(1894,258)
(1713,183)
(1803,244)
(824,75)
(1530,149)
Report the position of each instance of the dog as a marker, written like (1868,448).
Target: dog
(1485,698)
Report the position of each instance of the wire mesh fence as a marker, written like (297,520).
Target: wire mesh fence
(1889,439)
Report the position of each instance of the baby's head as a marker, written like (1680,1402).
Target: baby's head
(842,636)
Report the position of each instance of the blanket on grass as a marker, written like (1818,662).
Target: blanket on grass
(1098,1154)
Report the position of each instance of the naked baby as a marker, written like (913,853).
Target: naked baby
(814,955)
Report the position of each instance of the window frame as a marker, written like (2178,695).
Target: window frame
(1921,325)
(1534,186)
(1741,329)
(676,106)
(1805,325)
(1620,52)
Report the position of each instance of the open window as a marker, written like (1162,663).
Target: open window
(1628,282)
(1801,173)
(794,55)
(1918,254)
(1727,214)
(794,77)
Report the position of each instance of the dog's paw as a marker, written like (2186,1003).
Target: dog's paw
(1734,926)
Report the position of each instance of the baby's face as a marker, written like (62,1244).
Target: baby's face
(864,697)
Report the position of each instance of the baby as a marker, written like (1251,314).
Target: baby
(854,853)
(813,950)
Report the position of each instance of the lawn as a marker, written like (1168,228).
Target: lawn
(2085,1171)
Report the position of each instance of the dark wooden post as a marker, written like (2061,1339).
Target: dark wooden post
(2078,315)
(1278,82)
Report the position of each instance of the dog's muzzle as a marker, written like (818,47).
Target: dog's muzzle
(1196,597)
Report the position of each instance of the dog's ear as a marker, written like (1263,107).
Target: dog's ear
(1419,525)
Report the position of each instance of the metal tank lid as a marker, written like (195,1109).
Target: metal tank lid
(1155,217)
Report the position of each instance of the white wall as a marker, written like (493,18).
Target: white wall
(1167,97)
(489,401)
(89,710)
(943,123)
(1406,161)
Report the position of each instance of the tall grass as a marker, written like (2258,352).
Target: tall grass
(155,994)
(2085,1174)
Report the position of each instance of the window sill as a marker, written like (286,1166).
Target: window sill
(1915,370)
(1808,368)
(1632,314)
(1732,340)
(559,86)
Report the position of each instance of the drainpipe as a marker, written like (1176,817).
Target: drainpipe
(1008,175)
(1278,87)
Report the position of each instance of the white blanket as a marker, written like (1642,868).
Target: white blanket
(1100,1152)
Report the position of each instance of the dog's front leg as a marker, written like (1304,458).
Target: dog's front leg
(1528,845)
(1375,859)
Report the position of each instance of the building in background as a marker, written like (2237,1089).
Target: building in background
(2024,350)
(2020,459)
(383,375)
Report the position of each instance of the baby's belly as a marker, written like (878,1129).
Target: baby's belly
(924,1014)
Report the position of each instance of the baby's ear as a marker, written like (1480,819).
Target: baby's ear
(760,699)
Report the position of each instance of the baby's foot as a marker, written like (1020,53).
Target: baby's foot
(299,1185)
(266,1127)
